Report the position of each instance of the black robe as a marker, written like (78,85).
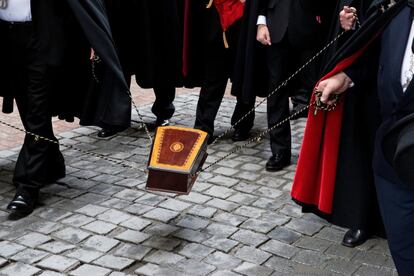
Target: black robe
(355,203)
(67,30)
(148,35)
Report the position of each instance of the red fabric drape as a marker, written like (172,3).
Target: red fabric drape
(314,181)
(230,11)
(186,37)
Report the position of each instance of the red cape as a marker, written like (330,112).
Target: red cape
(230,11)
(314,181)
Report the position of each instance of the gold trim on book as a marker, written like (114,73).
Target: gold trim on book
(178,146)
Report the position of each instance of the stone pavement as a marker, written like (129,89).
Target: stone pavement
(239,219)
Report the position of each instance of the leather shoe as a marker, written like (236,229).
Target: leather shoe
(240,135)
(110,131)
(22,204)
(162,122)
(277,162)
(355,237)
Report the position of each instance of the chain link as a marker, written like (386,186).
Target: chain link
(278,88)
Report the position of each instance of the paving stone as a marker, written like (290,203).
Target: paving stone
(135,252)
(56,247)
(190,235)
(192,222)
(133,236)
(71,235)
(249,237)
(341,266)
(331,234)
(337,250)
(33,239)
(114,216)
(163,257)
(268,192)
(196,251)
(222,260)
(150,199)
(288,236)
(101,243)
(259,225)
(161,214)
(244,199)
(305,227)
(373,271)
(114,262)
(162,243)
(129,194)
(224,205)
(45,227)
(77,220)
(85,255)
(8,249)
(224,273)
(19,269)
(195,198)
(202,211)
(175,205)
(252,255)
(51,273)
(138,209)
(88,270)
(229,218)
(29,256)
(225,171)
(54,214)
(92,210)
(99,227)
(223,181)
(193,267)
(219,192)
(281,265)
(313,243)
(250,212)
(161,229)
(58,263)
(3,262)
(311,258)
(253,269)
(292,211)
(280,249)
(267,204)
(369,258)
(220,230)
(153,270)
(221,244)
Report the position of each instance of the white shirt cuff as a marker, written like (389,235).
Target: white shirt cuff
(261,20)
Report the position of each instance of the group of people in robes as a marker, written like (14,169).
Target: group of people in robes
(257,44)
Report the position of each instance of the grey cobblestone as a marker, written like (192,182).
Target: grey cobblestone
(114,262)
(238,219)
(58,263)
(252,255)
(88,270)
(19,269)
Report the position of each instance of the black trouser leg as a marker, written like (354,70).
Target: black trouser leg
(278,104)
(241,110)
(163,106)
(38,159)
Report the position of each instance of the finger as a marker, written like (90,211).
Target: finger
(326,94)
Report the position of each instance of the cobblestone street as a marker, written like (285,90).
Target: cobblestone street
(238,220)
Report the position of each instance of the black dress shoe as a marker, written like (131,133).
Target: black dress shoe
(161,122)
(22,204)
(355,237)
(278,162)
(110,131)
(240,135)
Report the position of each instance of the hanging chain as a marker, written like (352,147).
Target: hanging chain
(97,60)
(94,154)
(256,139)
(278,88)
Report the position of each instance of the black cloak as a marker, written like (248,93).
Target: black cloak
(148,35)
(70,33)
